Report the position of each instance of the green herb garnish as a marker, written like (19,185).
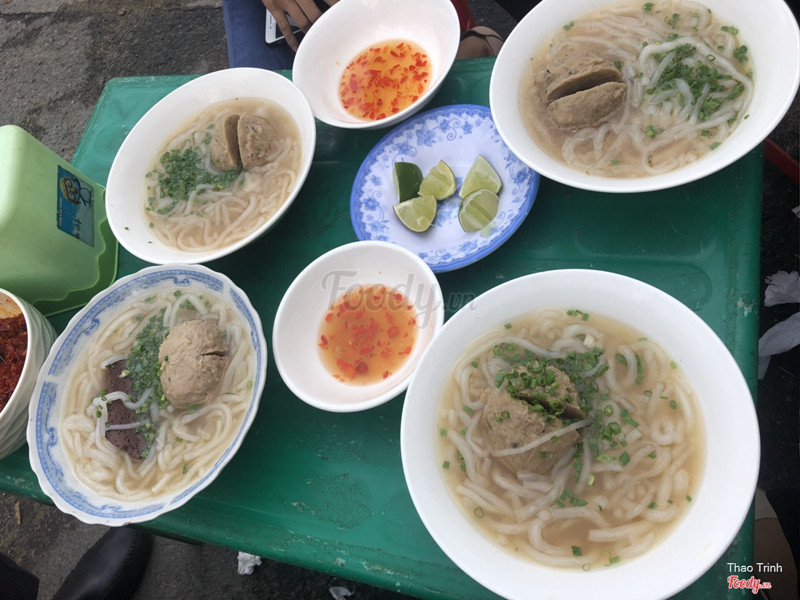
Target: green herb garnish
(180,173)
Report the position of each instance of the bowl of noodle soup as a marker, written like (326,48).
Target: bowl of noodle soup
(111,438)
(628,487)
(619,96)
(211,167)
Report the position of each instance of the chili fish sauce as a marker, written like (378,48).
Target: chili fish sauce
(384,79)
(367,334)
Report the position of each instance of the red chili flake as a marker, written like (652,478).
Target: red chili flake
(381,77)
(346,368)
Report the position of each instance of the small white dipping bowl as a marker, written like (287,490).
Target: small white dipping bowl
(767,27)
(14,417)
(47,455)
(295,336)
(349,27)
(125,191)
(723,402)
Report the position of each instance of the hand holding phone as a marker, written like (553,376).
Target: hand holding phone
(287,18)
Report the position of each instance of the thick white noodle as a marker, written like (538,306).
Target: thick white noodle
(210,218)
(626,507)
(190,442)
(643,43)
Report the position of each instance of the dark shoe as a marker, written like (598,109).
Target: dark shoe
(111,569)
(16,582)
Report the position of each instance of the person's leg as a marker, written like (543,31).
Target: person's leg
(16,582)
(244,26)
(479,42)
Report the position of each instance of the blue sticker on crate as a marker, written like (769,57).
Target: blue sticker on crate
(75,206)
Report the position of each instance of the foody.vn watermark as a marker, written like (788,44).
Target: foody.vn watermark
(752,583)
(425,298)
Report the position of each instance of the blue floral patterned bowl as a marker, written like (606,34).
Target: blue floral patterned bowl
(46,442)
(457,135)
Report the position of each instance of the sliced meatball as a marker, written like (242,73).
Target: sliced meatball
(514,423)
(193,357)
(224,146)
(574,70)
(256,140)
(588,107)
(549,386)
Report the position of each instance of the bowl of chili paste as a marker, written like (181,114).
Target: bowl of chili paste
(25,340)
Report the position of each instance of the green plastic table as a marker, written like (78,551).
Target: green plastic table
(326,490)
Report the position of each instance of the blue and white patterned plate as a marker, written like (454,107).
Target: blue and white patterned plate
(47,455)
(457,135)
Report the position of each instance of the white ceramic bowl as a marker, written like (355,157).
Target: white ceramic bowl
(349,27)
(47,455)
(732,450)
(768,28)
(295,336)
(14,417)
(125,188)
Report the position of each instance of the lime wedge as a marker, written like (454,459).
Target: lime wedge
(481,176)
(407,177)
(417,214)
(439,182)
(477,210)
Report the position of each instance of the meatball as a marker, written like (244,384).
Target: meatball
(224,145)
(512,423)
(193,357)
(549,386)
(256,141)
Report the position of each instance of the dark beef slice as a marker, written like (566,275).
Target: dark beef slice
(118,414)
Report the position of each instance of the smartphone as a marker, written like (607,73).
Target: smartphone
(273,35)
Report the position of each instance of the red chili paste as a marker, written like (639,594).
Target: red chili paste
(13,347)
